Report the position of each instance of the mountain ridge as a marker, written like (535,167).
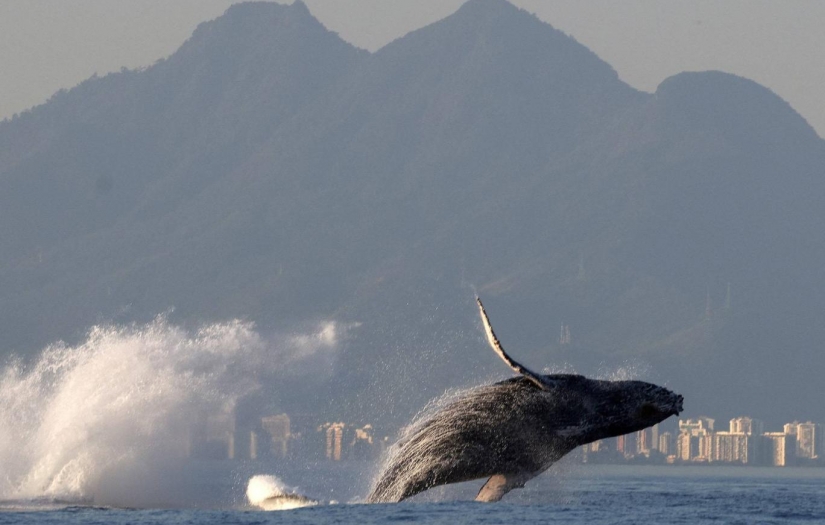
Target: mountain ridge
(270,171)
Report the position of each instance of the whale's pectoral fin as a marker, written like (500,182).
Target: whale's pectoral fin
(500,484)
(537,379)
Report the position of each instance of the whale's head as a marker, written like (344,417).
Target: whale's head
(614,408)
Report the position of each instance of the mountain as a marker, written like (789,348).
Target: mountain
(92,181)
(270,171)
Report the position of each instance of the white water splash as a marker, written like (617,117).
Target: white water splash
(80,420)
(559,368)
(262,487)
(270,493)
(627,371)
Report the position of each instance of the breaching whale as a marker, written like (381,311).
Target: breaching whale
(513,430)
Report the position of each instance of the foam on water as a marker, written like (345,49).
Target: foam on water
(263,487)
(108,420)
(269,493)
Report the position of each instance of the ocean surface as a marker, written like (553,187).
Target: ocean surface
(100,433)
(568,493)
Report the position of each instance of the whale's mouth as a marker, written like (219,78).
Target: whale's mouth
(677,406)
(673,406)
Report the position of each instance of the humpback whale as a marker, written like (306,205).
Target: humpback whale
(513,430)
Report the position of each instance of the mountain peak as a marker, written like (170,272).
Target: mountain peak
(259,20)
(489,7)
(267,9)
(258,33)
(488,14)
(505,41)
(729,102)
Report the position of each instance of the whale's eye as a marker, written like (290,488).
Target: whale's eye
(648,411)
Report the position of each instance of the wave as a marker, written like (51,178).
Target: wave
(109,420)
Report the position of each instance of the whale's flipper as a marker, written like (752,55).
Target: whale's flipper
(500,484)
(540,382)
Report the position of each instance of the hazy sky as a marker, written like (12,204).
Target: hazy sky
(46,45)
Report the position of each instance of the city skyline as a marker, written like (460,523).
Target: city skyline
(697,441)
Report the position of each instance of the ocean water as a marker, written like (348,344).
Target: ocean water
(96,433)
(572,494)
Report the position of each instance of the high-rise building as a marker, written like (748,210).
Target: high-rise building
(621,444)
(335,438)
(746,425)
(654,437)
(253,445)
(734,447)
(363,446)
(740,445)
(217,440)
(686,446)
(626,445)
(647,440)
(643,442)
(666,444)
(697,425)
(809,439)
(278,428)
(695,439)
(779,448)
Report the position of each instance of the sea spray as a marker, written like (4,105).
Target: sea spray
(473,433)
(269,493)
(117,410)
(627,371)
(262,487)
